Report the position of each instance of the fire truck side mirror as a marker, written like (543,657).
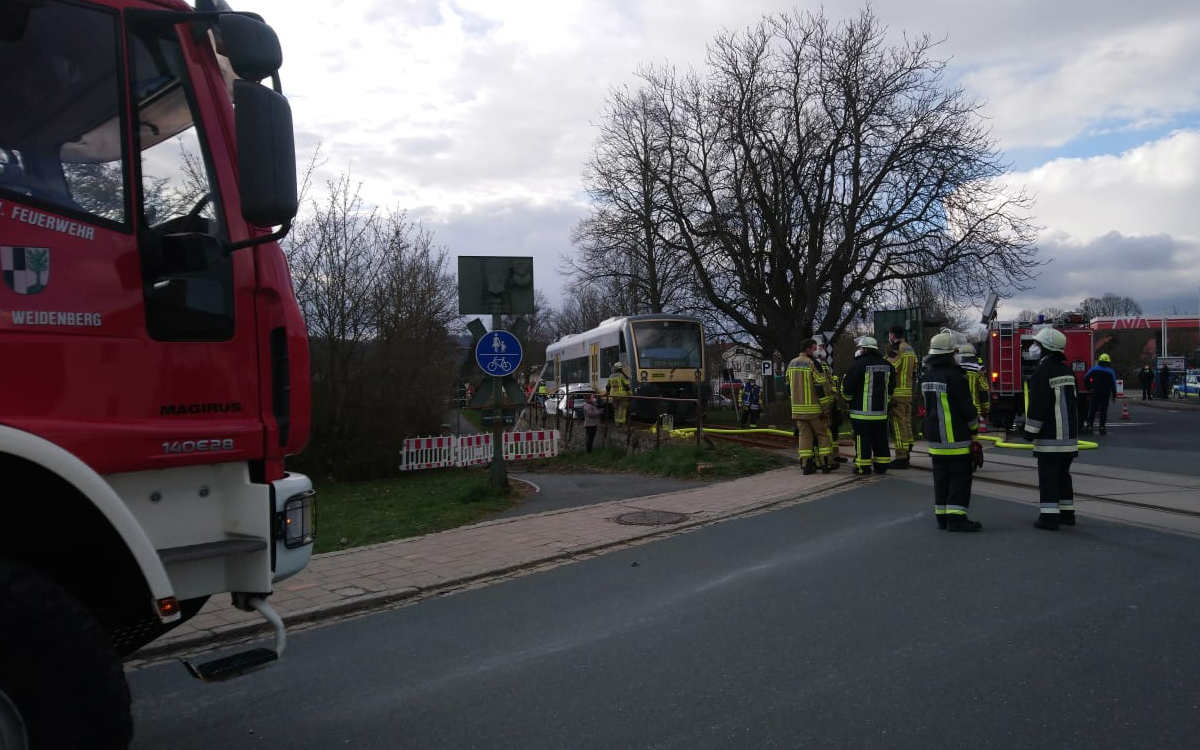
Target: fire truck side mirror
(266,155)
(251,45)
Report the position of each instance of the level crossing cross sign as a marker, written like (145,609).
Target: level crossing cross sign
(498,353)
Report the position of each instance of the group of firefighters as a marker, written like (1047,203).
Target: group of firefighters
(877,391)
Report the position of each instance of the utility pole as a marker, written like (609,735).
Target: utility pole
(498,476)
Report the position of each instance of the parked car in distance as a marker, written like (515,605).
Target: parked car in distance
(563,401)
(1189,388)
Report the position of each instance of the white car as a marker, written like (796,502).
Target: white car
(565,400)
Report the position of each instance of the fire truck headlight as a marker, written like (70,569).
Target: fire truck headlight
(298,520)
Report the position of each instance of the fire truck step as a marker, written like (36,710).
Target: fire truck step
(234,665)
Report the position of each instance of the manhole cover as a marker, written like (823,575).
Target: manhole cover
(650,518)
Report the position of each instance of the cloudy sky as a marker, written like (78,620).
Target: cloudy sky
(477,115)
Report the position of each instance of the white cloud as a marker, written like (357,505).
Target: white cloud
(1151,189)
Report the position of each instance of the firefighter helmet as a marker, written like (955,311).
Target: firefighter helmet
(867,342)
(942,343)
(1105,358)
(1051,339)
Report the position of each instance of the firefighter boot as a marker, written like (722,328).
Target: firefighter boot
(1066,517)
(941,520)
(810,467)
(900,463)
(962,523)
(1047,521)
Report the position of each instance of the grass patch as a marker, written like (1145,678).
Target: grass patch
(417,503)
(681,461)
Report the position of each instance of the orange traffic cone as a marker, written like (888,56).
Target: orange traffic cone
(1124,410)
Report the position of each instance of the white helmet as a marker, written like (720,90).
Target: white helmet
(1051,339)
(866,342)
(618,365)
(942,343)
(967,350)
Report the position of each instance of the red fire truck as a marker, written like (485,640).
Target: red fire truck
(154,358)
(1009,364)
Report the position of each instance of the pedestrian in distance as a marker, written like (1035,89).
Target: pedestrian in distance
(1146,379)
(1052,423)
(904,363)
(868,387)
(806,386)
(592,414)
(619,391)
(1101,380)
(1164,382)
(751,397)
(951,422)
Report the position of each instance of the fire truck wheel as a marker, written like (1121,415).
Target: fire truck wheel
(58,668)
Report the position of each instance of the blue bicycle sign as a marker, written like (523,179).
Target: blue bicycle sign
(498,353)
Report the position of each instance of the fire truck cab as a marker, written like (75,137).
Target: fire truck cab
(154,358)
(1009,364)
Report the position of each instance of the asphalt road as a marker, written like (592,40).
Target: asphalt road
(558,491)
(1153,439)
(845,622)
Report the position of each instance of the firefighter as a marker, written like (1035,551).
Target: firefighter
(1101,380)
(1052,423)
(806,385)
(951,420)
(829,406)
(977,382)
(618,390)
(751,398)
(868,387)
(904,362)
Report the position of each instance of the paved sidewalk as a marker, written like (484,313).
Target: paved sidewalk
(1169,404)
(341,582)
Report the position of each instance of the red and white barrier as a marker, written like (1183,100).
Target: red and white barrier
(428,453)
(475,450)
(530,444)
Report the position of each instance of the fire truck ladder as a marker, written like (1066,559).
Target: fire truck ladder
(1008,357)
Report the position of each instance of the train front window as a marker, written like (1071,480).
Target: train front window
(668,344)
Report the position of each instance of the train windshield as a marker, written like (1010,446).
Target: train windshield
(670,344)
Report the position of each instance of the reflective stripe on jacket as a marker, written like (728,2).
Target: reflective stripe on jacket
(1052,417)
(905,364)
(618,385)
(978,386)
(950,416)
(806,386)
(868,387)
(830,385)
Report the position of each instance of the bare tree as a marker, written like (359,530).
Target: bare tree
(622,240)
(1109,305)
(813,169)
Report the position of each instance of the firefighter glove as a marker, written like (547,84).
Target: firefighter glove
(976,454)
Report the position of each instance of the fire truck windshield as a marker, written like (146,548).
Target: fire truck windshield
(60,138)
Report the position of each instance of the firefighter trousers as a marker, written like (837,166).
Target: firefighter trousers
(1054,483)
(951,486)
(900,418)
(814,439)
(831,428)
(620,410)
(871,445)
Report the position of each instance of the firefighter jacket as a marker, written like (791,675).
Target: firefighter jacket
(868,386)
(618,385)
(1103,382)
(830,385)
(751,396)
(806,385)
(905,365)
(1051,417)
(950,415)
(978,386)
